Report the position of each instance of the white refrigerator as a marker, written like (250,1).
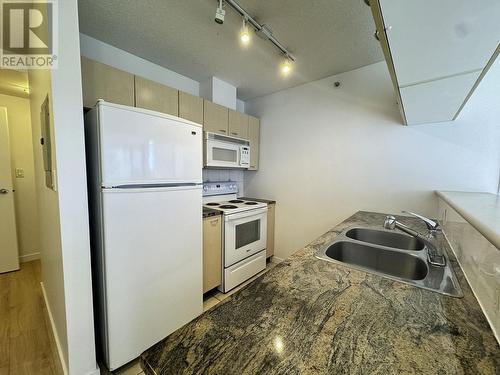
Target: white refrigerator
(145,184)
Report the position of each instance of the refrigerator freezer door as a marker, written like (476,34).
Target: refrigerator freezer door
(153,266)
(145,147)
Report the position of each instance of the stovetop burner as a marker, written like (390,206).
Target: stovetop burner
(236,201)
(228,206)
(251,203)
(213,204)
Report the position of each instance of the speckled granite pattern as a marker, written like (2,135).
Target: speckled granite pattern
(209,212)
(268,201)
(309,316)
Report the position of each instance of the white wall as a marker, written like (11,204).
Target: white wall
(219,91)
(328,152)
(96,50)
(65,245)
(21,148)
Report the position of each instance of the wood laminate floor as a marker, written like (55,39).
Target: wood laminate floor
(26,343)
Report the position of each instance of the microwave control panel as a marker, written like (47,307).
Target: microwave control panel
(244,156)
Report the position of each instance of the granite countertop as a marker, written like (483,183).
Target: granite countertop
(481,210)
(268,201)
(309,316)
(208,212)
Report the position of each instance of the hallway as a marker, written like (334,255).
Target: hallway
(26,343)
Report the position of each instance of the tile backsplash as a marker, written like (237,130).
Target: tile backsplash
(236,175)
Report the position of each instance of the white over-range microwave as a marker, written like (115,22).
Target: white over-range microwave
(221,151)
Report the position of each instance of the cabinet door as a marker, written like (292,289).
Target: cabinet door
(432,40)
(212,253)
(100,81)
(238,124)
(215,118)
(191,107)
(254,138)
(270,230)
(157,97)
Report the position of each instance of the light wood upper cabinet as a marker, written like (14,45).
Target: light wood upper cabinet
(270,229)
(215,118)
(212,252)
(238,124)
(191,107)
(254,138)
(157,97)
(100,81)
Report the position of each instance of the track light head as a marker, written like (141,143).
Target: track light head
(220,13)
(245,34)
(286,66)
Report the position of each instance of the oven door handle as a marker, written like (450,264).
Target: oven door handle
(241,215)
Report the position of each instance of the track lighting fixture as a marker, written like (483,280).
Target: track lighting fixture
(262,30)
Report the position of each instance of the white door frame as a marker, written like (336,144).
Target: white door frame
(9,253)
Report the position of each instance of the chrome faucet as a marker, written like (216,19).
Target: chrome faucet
(434,254)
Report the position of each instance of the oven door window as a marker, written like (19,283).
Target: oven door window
(247,233)
(224,154)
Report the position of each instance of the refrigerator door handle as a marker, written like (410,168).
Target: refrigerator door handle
(153,186)
(149,189)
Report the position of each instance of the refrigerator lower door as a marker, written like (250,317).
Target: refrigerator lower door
(152,264)
(145,147)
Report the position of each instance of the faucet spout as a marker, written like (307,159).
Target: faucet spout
(434,254)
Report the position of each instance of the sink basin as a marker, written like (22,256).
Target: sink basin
(379,260)
(385,238)
(392,255)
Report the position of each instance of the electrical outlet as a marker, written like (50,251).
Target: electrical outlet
(19,173)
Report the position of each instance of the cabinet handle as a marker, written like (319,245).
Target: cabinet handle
(234,133)
(222,130)
(214,222)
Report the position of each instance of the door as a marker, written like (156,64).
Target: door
(9,257)
(222,154)
(270,229)
(142,147)
(254,138)
(215,118)
(244,234)
(212,253)
(101,81)
(238,124)
(156,97)
(153,266)
(191,107)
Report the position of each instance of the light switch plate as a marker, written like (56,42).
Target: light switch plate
(19,173)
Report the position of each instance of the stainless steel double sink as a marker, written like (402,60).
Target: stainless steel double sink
(393,255)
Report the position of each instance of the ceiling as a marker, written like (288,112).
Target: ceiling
(325,36)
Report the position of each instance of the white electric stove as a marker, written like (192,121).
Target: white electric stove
(244,232)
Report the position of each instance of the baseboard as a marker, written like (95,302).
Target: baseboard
(97,371)
(275,259)
(55,336)
(29,257)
